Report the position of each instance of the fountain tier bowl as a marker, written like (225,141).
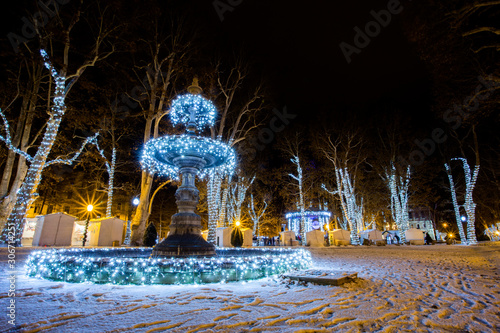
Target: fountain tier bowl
(133,265)
(166,154)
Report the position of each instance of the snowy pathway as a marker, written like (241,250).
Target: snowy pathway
(435,288)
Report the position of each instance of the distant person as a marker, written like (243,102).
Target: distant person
(388,239)
(428,239)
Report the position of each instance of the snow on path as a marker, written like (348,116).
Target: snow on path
(434,288)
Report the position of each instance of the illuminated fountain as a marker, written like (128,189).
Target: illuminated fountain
(184,257)
(187,155)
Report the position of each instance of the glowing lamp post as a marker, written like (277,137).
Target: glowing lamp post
(89,211)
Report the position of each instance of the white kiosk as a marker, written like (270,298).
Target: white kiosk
(105,232)
(53,230)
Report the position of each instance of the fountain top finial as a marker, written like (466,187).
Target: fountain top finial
(194,88)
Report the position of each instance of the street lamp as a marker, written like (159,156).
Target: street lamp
(135,201)
(89,211)
(237,223)
(463,218)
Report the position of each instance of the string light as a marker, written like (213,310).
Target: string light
(256,215)
(26,195)
(469,204)
(294,219)
(8,140)
(398,185)
(184,107)
(213,195)
(159,154)
(301,205)
(131,266)
(352,211)
(238,194)
(110,167)
(169,154)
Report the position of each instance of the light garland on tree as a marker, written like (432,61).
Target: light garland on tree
(131,266)
(213,195)
(159,153)
(398,185)
(223,209)
(69,161)
(110,168)
(469,204)
(238,194)
(8,140)
(296,160)
(256,216)
(13,230)
(186,106)
(350,208)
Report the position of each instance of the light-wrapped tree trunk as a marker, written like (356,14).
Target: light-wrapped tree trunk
(469,204)
(398,185)
(256,214)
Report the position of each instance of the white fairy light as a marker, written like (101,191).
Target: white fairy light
(294,219)
(8,141)
(186,106)
(104,265)
(158,154)
(256,214)
(469,204)
(110,167)
(351,209)
(238,193)
(301,205)
(14,227)
(398,185)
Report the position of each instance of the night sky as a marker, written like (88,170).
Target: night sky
(297,44)
(411,69)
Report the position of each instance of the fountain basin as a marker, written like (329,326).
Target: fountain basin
(134,266)
(162,155)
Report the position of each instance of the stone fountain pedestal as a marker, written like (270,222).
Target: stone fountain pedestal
(185,239)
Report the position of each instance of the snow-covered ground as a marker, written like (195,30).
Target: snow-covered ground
(436,288)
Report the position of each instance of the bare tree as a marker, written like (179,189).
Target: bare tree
(398,185)
(165,56)
(238,191)
(63,81)
(21,137)
(237,120)
(344,154)
(292,147)
(469,204)
(256,212)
